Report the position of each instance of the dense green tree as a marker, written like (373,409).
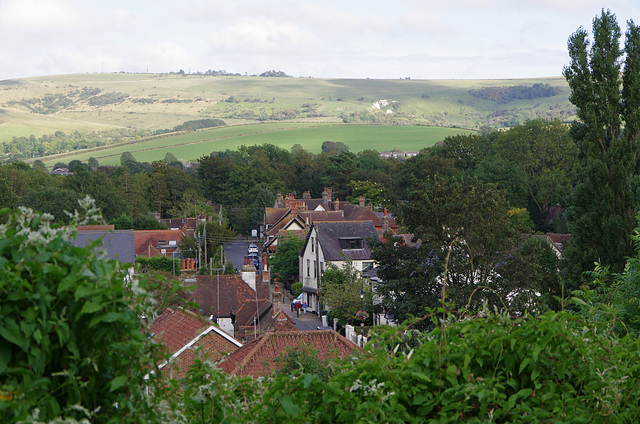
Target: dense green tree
(38,164)
(264,199)
(307,170)
(123,222)
(340,289)
(75,164)
(428,163)
(339,171)
(93,162)
(87,182)
(534,163)
(465,223)
(134,189)
(508,176)
(334,148)
(214,171)
(410,280)
(53,200)
(7,196)
(147,221)
(605,88)
(612,300)
(527,280)
(128,161)
(284,263)
(172,160)
(168,187)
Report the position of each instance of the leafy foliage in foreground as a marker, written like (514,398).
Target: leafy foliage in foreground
(551,368)
(72,349)
(71,344)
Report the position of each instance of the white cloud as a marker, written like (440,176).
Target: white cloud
(263,36)
(40,17)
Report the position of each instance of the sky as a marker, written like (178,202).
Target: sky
(419,39)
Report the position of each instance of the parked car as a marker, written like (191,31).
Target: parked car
(253,249)
(253,259)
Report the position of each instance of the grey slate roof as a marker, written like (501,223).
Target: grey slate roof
(330,233)
(119,244)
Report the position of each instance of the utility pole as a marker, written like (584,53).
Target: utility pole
(205,239)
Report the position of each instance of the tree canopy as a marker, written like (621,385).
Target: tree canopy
(605,88)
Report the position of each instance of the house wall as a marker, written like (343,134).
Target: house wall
(312,264)
(226,325)
(358,265)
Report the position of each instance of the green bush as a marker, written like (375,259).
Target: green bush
(296,288)
(159,263)
(71,344)
(551,368)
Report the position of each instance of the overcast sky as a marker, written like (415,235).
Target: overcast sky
(421,39)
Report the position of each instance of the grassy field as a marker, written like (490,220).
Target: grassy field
(304,111)
(191,146)
(157,101)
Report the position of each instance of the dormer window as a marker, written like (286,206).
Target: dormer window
(162,242)
(351,243)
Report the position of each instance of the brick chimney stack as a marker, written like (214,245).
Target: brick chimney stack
(249,274)
(361,201)
(327,195)
(336,205)
(301,206)
(290,201)
(306,195)
(276,299)
(188,272)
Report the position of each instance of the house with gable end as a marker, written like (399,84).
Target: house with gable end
(332,243)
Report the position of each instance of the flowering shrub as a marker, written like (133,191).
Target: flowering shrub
(71,345)
(362,315)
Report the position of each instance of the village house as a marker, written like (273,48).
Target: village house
(116,244)
(153,243)
(294,217)
(242,305)
(333,243)
(184,335)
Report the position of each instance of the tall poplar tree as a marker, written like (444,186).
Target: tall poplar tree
(605,88)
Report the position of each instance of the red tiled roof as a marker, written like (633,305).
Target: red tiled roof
(174,329)
(211,343)
(258,357)
(558,240)
(234,293)
(148,241)
(106,227)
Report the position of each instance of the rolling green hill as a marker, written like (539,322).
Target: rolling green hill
(193,145)
(146,103)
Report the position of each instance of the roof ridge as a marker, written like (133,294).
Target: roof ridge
(250,350)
